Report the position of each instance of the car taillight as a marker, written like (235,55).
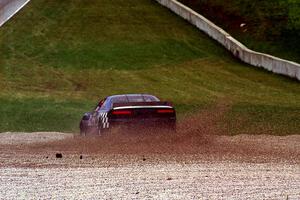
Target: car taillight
(121,112)
(163,111)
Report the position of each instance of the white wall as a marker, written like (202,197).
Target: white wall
(9,8)
(257,59)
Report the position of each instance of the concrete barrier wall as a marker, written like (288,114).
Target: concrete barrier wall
(9,8)
(240,51)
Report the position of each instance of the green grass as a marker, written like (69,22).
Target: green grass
(272,27)
(264,119)
(58,58)
(34,114)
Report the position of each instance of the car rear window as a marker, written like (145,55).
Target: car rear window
(142,98)
(119,99)
(134,98)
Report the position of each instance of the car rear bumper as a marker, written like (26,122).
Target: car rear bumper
(144,123)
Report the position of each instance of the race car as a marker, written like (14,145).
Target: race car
(128,111)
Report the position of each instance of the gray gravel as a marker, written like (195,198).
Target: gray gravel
(29,171)
(9,138)
(219,180)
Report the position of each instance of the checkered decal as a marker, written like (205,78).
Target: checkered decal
(104,120)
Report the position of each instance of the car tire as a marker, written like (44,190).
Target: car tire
(172,127)
(92,131)
(100,129)
(82,132)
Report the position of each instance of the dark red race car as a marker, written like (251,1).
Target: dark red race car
(130,111)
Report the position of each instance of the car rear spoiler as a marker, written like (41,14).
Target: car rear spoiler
(159,103)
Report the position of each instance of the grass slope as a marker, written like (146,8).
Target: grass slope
(57,58)
(269,26)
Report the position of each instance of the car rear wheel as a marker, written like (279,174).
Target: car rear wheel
(82,132)
(93,131)
(173,127)
(99,130)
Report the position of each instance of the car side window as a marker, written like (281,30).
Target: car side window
(100,105)
(105,105)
